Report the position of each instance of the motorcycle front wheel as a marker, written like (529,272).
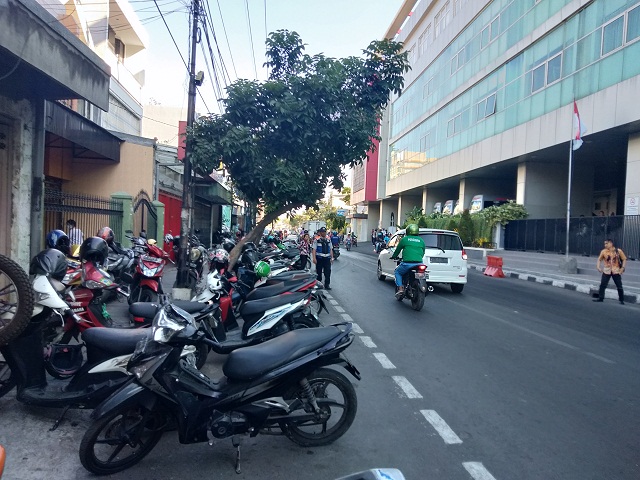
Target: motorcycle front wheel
(16,300)
(338,404)
(417,298)
(121,439)
(147,295)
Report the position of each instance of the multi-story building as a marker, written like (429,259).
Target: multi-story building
(111,29)
(487,108)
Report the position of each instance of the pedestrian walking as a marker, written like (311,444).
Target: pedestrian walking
(322,254)
(614,262)
(76,237)
(304,245)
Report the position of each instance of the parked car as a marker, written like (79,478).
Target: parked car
(444,257)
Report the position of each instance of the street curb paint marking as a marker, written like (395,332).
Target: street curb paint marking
(348,318)
(333,302)
(477,471)
(384,360)
(406,387)
(339,309)
(598,357)
(368,342)
(328,295)
(436,421)
(356,328)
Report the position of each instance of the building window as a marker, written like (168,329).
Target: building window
(454,64)
(612,35)
(537,78)
(423,40)
(554,69)
(425,142)
(633,24)
(428,88)
(442,19)
(486,107)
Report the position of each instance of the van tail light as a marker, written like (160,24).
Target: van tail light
(422,268)
(464,254)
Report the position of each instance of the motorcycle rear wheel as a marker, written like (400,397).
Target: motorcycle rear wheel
(417,298)
(335,396)
(106,446)
(16,299)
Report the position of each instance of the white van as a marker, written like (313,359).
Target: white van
(444,257)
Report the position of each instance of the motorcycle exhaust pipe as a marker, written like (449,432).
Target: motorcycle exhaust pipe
(430,288)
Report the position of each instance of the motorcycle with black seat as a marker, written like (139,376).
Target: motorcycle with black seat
(282,386)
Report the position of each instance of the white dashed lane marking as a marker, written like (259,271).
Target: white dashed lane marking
(333,302)
(436,421)
(328,295)
(477,471)
(339,309)
(406,387)
(384,361)
(368,342)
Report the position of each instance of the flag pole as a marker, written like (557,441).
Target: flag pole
(566,249)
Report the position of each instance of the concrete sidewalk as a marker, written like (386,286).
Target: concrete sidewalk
(544,268)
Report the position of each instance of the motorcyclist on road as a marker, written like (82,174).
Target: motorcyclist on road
(413,247)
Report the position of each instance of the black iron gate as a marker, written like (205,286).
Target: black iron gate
(145,215)
(91,213)
(586,234)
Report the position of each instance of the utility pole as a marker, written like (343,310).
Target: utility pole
(182,280)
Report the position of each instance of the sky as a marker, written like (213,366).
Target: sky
(336,28)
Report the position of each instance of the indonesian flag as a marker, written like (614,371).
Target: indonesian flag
(578,128)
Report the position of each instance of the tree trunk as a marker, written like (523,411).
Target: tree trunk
(255,234)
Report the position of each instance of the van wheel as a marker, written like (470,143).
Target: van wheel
(457,287)
(381,276)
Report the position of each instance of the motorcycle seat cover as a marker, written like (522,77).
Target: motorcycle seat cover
(149,309)
(258,306)
(117,341)
(251,362)
(277,289)
(290,275)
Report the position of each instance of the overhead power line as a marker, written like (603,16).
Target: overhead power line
(253,53)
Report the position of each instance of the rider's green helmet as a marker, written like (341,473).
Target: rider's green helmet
(262,269)
(413,229)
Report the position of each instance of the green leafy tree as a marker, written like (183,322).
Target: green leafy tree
(466,228)
(346,191)
(286,139)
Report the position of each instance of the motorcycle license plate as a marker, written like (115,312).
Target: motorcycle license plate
(422,275)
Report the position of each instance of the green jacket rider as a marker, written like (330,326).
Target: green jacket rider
(413,247)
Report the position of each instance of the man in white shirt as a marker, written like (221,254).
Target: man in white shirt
(76,237)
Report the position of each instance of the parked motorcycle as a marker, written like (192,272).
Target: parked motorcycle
(74,382)
(77,383)
(415,286)
(279,387)
(146,280)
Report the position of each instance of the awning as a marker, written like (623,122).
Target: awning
(95,141)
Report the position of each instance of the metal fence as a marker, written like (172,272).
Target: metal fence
(145,216)
(586,234)
(91,213)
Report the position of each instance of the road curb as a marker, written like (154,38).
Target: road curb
(589,289)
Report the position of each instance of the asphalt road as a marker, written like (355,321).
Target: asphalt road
(509,379)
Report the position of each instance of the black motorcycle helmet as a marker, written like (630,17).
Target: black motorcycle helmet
(94,249)
(249,246)
(50,262)
(228,244)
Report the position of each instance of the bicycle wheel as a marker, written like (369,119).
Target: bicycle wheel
(16,300)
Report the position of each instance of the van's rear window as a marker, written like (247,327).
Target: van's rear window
(442,240)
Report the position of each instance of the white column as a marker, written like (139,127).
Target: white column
(424,200)
(632,186)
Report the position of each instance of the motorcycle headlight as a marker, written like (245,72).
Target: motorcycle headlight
(148,271)
(91,284)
